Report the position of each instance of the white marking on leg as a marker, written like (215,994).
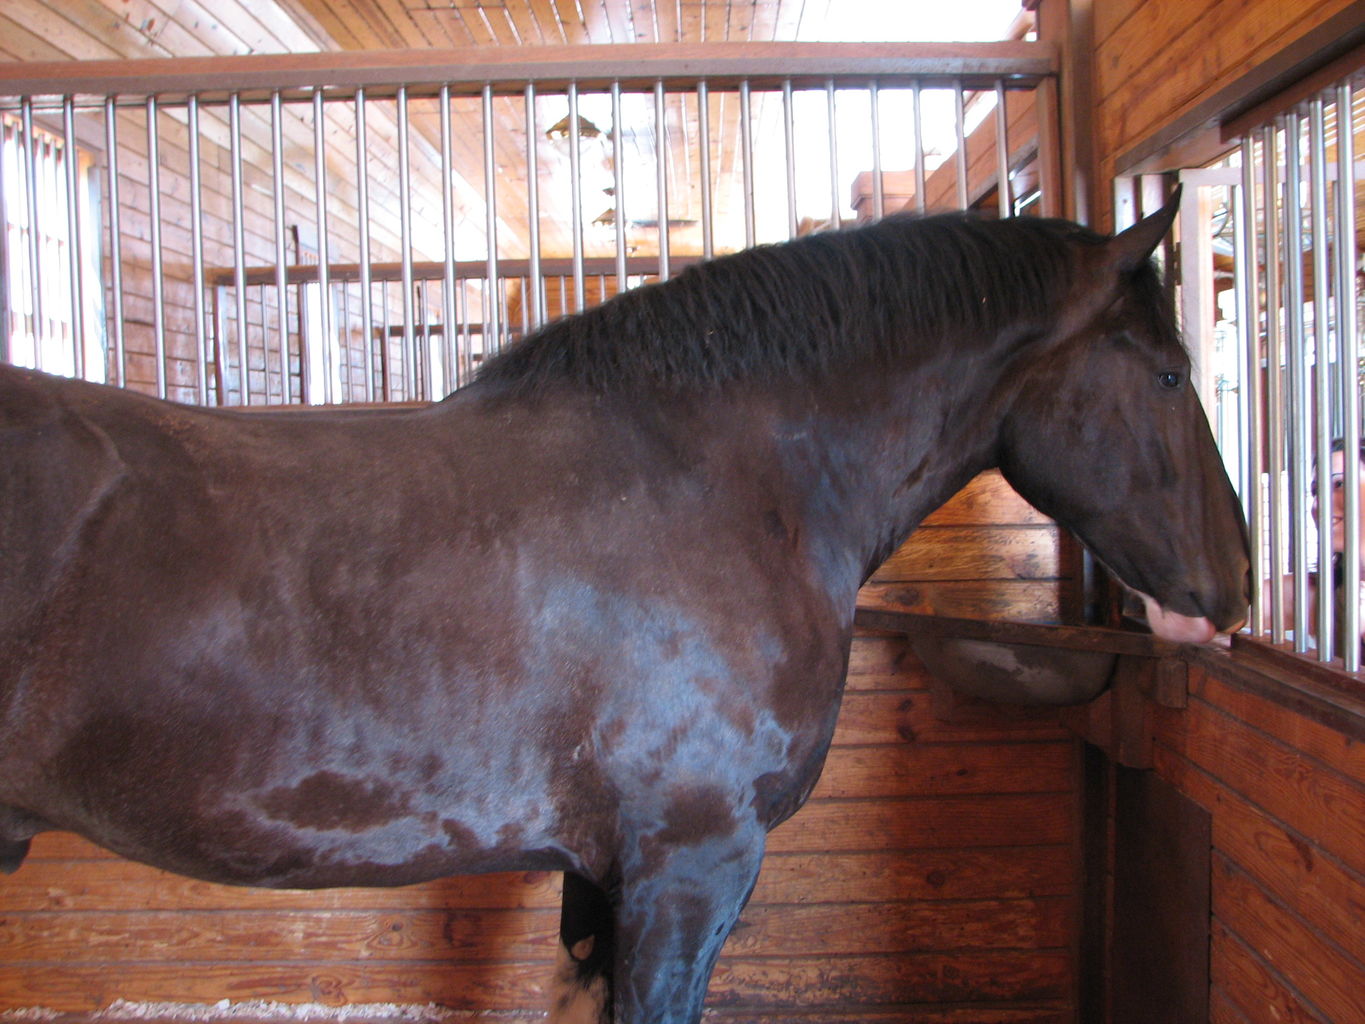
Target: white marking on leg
(571,1001)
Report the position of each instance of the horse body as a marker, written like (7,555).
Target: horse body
(565,625)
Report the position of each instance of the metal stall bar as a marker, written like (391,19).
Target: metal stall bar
(405,244)
(324,257)
(708,236)
(878,190)
(239,246)
(450,342)
(7,261)
(835,217)
(1322,392)
(746,159)
(1348,356)
(75,246)
(115,241)
(661,175)
(1299,413)
(154,206)
(921,176)
(35,261)
(619,184)
(576,194)
(362,187)
(492,338)
(789,140)
(281,282)
(1248,331)
(1274,381)
(536,311)
(197,250)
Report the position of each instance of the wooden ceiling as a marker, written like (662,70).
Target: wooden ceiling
(368,24)
(101,29)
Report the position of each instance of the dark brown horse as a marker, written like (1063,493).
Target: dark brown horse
(591,613)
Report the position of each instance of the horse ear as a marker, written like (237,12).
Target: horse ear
(1129,249)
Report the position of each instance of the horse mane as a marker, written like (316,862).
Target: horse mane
(795,310)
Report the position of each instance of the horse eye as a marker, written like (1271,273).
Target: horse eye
(1168,379)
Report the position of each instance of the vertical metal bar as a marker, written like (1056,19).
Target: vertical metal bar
(789,138)
(327,341)
(1249,338)
(661,176)
(1299,410)
(960,130)
(466,344)
(1002,151)
(449,314)
(260,293)
(921,176)
(281,275)
(426,387)
(7,320)
(385,349)
(115,242)
(708,244)
(536,283)
(1322,367)
(1274,380)
(835,216)
(158,292)
(75,247)
(219,313)
(35,256)
(619,184)
(878,190)
(746,157)
(576,189)
(362,185)
(405,242)
(493,330)
(197,250)
(239,246)
(1349,358)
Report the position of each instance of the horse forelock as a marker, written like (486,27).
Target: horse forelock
(887,292)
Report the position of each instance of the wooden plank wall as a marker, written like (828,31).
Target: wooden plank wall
(932,878)
(1156,60)
(1286,792)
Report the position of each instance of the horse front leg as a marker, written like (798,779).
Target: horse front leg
(675,909)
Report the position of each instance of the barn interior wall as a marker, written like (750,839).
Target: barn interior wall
(1283,778)
(1156,61)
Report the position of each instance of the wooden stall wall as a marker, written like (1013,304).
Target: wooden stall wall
(1156,61)
(1246,798)
(931,879)
(1281,771)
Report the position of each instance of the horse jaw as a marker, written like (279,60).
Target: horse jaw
(1173,626)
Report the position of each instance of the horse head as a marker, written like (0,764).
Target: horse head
(1105,433)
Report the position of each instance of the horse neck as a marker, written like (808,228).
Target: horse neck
(872,454)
